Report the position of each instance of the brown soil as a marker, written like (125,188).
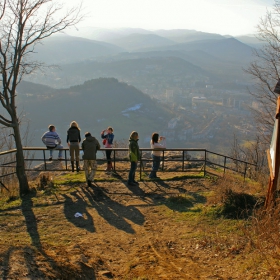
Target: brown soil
(124,233)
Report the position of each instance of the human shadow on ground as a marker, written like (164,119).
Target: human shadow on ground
(183,201)
(30,254)
(113,212)
(160,183)
(136,190)
(76,204)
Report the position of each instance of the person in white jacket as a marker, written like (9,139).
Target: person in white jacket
(158,143)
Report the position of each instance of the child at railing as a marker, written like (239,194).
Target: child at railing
(108,137)
(156,154)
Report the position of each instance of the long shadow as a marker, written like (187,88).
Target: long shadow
(136,190)
(113,212)
(78,204)
(6,261)
(61,271)
(160,183)
(179,203)
(30,219)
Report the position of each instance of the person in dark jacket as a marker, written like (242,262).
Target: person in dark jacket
(90,146)
(73,141)
(108,137)
(134,156)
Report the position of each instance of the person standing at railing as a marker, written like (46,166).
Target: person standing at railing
(158,143)
(108,137)
(134,156)
(52,141)
(90,145)
(73,141)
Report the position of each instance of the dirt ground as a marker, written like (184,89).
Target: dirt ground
(124,233)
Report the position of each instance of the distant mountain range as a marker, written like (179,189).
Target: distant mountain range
(141,41)
(67,49)
(93,43)
(143,57)
(227,49)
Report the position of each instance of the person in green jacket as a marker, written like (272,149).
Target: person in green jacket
(90,145)
(134,156)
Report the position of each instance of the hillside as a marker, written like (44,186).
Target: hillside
(228,49)
(184,35)
(105,34)
(95,105)
(214,66)
(141,72)
(171,229)
(66,49)
(109,35)
(141,41)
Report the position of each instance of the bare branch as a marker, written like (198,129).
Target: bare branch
(265,71)
(23,24)
(2,8)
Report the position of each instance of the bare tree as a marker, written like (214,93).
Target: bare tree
(23,24)
(265,71)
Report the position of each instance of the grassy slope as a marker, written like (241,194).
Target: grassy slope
(170,228)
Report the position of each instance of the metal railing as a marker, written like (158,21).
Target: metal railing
(173,160)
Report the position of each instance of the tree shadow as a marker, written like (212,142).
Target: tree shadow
(76,204)
(18,261)
(30,254)
(30,219)
(113,212)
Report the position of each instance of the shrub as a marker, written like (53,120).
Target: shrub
(237,204)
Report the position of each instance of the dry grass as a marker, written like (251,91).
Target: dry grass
(181,228)
(264,236)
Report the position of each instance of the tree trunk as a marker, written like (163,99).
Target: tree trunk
(20,166)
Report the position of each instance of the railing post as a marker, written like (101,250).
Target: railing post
(114,153)
(44,155)
(245,171)
(65,159)
(162,160)
(225,162)
(141,163)
(205,156)
(183,161)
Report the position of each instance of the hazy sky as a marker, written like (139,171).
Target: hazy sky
(234,17)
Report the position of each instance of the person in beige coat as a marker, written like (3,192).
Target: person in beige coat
(90,146)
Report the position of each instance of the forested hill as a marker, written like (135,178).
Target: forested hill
(95,104)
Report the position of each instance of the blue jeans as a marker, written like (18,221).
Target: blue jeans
(58,147)
(155,167)
(131,174)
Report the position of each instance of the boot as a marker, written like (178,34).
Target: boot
(72,165)
(108,167)
(77,166)
(153,174)
(111,166)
